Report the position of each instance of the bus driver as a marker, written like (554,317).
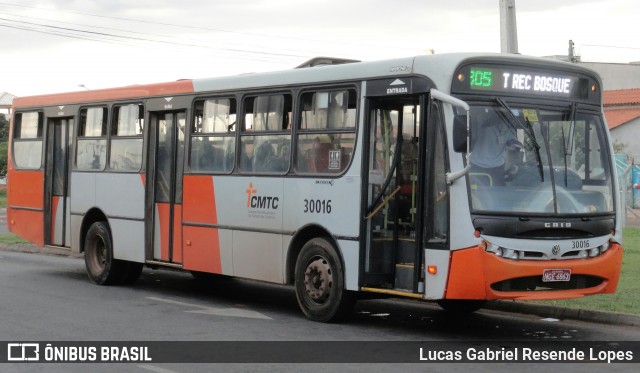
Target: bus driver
(493,141)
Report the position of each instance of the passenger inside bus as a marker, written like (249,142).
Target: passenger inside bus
(318,155)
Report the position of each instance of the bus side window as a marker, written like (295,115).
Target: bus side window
(326,131)
(213,140)
(27,140)
(266,134)
(92,139)
(126,138)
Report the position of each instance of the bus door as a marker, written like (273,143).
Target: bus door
(166,162)
(393,198)
(56,199)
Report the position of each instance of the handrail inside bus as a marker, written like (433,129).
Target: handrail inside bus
(383,203)
(440,96)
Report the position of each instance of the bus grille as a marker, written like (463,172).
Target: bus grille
(534,283)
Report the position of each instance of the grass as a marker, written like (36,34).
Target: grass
(11,239)
(3,197)
(627,298)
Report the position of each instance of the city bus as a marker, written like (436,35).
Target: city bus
(455,178)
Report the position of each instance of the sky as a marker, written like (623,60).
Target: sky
(49,46)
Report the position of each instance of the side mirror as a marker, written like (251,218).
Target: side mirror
(460,134)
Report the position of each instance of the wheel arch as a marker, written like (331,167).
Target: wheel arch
(301,237)
(93,215)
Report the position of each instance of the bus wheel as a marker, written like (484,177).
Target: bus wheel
(319,281)
(98,256)
(461,305)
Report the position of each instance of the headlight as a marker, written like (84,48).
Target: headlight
(491,248)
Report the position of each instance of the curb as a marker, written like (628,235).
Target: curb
(601,317)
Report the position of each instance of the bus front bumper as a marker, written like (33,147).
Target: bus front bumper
(478,274)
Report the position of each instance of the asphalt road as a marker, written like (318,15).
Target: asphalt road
(49,298)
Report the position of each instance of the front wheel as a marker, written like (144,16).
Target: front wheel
(319,281)
(102,269)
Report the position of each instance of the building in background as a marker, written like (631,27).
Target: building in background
(5,103)
(622,112)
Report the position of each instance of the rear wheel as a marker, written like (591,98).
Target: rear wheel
(98,256)
(319,281)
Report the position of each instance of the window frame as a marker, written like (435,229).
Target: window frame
(16,139)
(112,128)
(288,109)
(232,133)
(299,131)
(81,137)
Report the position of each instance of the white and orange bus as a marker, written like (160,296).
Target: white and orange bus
(459,178)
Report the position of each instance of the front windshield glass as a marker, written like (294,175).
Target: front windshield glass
(525,159)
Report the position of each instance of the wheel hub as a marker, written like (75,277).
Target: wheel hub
(318,280)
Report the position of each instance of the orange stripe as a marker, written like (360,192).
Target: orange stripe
(54,209)
(26,189)
(134,91)
(201,244)
(199,201)
(28,225)
(177,234)
(473,271)
(164,210)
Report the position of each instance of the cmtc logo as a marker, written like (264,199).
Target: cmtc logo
(255,201)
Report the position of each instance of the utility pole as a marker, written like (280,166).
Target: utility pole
(508,27)
(572,53)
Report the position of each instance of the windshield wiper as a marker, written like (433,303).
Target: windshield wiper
(568,146)
(564,156)
(528,129)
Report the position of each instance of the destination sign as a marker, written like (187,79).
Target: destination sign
(552,80)
(506,80)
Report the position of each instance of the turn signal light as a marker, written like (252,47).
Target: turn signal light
(432,269)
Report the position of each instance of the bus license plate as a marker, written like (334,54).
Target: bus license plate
(556,275)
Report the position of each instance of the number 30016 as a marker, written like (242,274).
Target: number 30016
(317,206)
(582,244)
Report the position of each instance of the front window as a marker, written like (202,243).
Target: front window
(528,159)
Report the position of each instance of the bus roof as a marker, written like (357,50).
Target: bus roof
(129,92)
(439,68)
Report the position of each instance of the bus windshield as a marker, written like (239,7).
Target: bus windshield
(533,160)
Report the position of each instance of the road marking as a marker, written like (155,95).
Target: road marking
(156,369)
(206,310)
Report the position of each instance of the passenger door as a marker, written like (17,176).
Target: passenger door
(164,188)
(56,204)
(393,198)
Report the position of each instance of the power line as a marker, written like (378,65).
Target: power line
(136,32)
(609,46)
(203,28)
(99,36)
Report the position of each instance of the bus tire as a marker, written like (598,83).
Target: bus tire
(102,269)
(319,282)
(461,305)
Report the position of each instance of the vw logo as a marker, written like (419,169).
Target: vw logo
(556,249)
